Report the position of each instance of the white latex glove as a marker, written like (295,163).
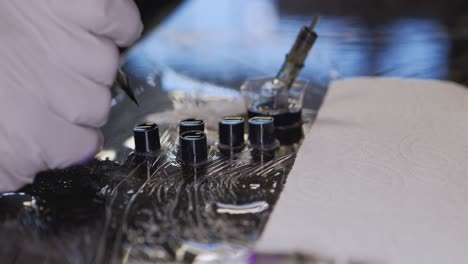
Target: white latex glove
(58,60)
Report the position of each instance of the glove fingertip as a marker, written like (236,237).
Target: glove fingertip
(132,35)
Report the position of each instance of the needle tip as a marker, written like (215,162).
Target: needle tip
(133,98)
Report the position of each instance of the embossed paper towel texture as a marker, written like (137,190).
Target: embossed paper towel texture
(382,177)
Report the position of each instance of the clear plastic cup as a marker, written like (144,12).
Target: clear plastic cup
(268,96)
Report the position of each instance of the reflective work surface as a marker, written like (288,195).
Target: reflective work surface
(193,66)
(149,208)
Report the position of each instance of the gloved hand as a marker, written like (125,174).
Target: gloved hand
(58,60)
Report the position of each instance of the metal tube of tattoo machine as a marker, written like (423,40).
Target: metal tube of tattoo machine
(297,55)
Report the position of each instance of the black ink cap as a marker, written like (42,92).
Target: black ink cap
(146,138)
(193,147)
(262,133)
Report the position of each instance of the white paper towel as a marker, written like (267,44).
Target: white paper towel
(381,178)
